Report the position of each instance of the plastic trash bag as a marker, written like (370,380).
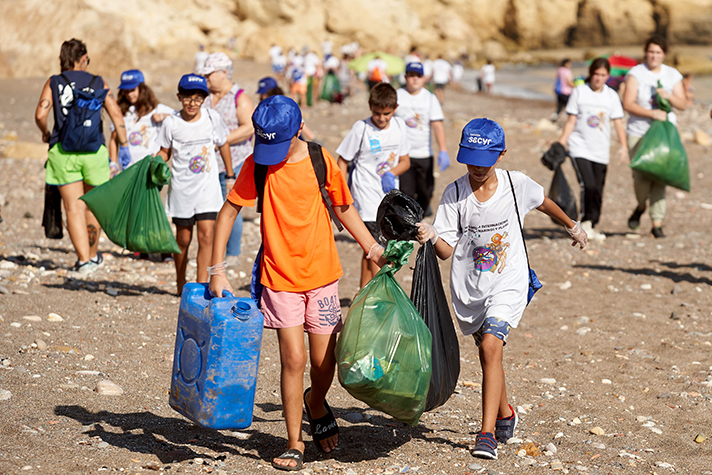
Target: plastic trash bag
(554,157)
(331,91)
(661,156)
(383,352)
(129,208)
(52,215)
(561,194)
(428,296)
(398,216)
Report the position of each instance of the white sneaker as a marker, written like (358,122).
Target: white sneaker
(593,234)
(85,268)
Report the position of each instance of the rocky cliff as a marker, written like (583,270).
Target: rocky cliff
(120,32)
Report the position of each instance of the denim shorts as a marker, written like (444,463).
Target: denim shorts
(494,326)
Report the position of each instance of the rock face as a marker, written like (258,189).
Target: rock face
(119,32)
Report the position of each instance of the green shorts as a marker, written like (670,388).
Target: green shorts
(65,167)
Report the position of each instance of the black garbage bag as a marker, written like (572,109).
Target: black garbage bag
(554,157)
(52,216)
(398,218)
(561,194)
(429,298)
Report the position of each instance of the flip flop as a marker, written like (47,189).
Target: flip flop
(322,428)
(291,454)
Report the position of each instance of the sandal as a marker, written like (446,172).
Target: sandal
(291,454)
(322,428)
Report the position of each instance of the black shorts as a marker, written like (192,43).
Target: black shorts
(375,231)
(440,86)
(190,222)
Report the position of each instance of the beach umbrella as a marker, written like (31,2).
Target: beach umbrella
(395,64)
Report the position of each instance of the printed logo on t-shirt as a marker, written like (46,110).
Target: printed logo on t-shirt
(596,121)
(200,163)
(139,137)
(492,256)
(329,311)
(386,166)
(414,122)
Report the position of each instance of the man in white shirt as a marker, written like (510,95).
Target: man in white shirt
(200,58)
(421,111)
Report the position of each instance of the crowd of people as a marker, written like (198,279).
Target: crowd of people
(226,153)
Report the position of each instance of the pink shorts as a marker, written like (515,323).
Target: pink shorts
(318,310)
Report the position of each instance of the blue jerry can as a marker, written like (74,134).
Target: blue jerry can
(216,359)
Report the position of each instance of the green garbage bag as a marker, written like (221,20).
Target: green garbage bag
(661,156)
(331,88)
(384,350)
(129,208)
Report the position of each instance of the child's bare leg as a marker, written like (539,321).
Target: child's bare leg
(293,357)
(367,270)
(206,229)
(491,351)
(93,227)
(323,364)
(184,234)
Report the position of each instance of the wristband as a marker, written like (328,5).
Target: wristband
(217,269)
(231,177)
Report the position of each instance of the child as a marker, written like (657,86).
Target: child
(189,138)
(300,266)
(477,222)
(378,150)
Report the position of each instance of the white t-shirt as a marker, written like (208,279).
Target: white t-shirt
(411,58)
(142,133)
(332,63)
(375,152)
(311,61)
(195,186)
(487,73)
(441,71)
(199,59)
(647,84)
(418,111)
(428,69)
(591,138)
(489,274)
(275,51)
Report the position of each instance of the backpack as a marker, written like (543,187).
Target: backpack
(558,86)
(317,158)
(82,127)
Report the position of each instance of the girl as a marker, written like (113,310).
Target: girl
(591,108)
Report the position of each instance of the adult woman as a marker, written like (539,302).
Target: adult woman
(77,172)
(564,87)
(142,114)
(638,100)
(591,108)
(236,108)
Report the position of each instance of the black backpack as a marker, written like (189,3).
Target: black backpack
(82,128)
(319,164)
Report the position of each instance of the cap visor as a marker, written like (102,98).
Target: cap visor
(262,90)
(129,85)
(195,87)
(206,71)
(478,158)
(270,153)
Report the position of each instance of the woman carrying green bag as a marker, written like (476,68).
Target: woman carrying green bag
(640,101)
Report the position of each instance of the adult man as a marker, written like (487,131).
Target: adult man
(422,112)
(442,73)
(236,108)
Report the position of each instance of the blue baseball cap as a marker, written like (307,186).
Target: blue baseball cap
(131,79)
(481,143)
(266,84)
(277,120)
(193,82)
(415,67)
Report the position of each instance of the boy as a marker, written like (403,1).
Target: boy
(300,265)
(378,150)
(189,137)
(489,274)
(421,111)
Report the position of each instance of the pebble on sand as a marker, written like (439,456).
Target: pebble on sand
(41,344)
(700,438)
(108,388)
(5,394)
(53,317)
(597,431)
(32,318)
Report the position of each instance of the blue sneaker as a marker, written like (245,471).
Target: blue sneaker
(504,427)
(486,446)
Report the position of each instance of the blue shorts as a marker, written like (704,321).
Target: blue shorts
(493,326)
